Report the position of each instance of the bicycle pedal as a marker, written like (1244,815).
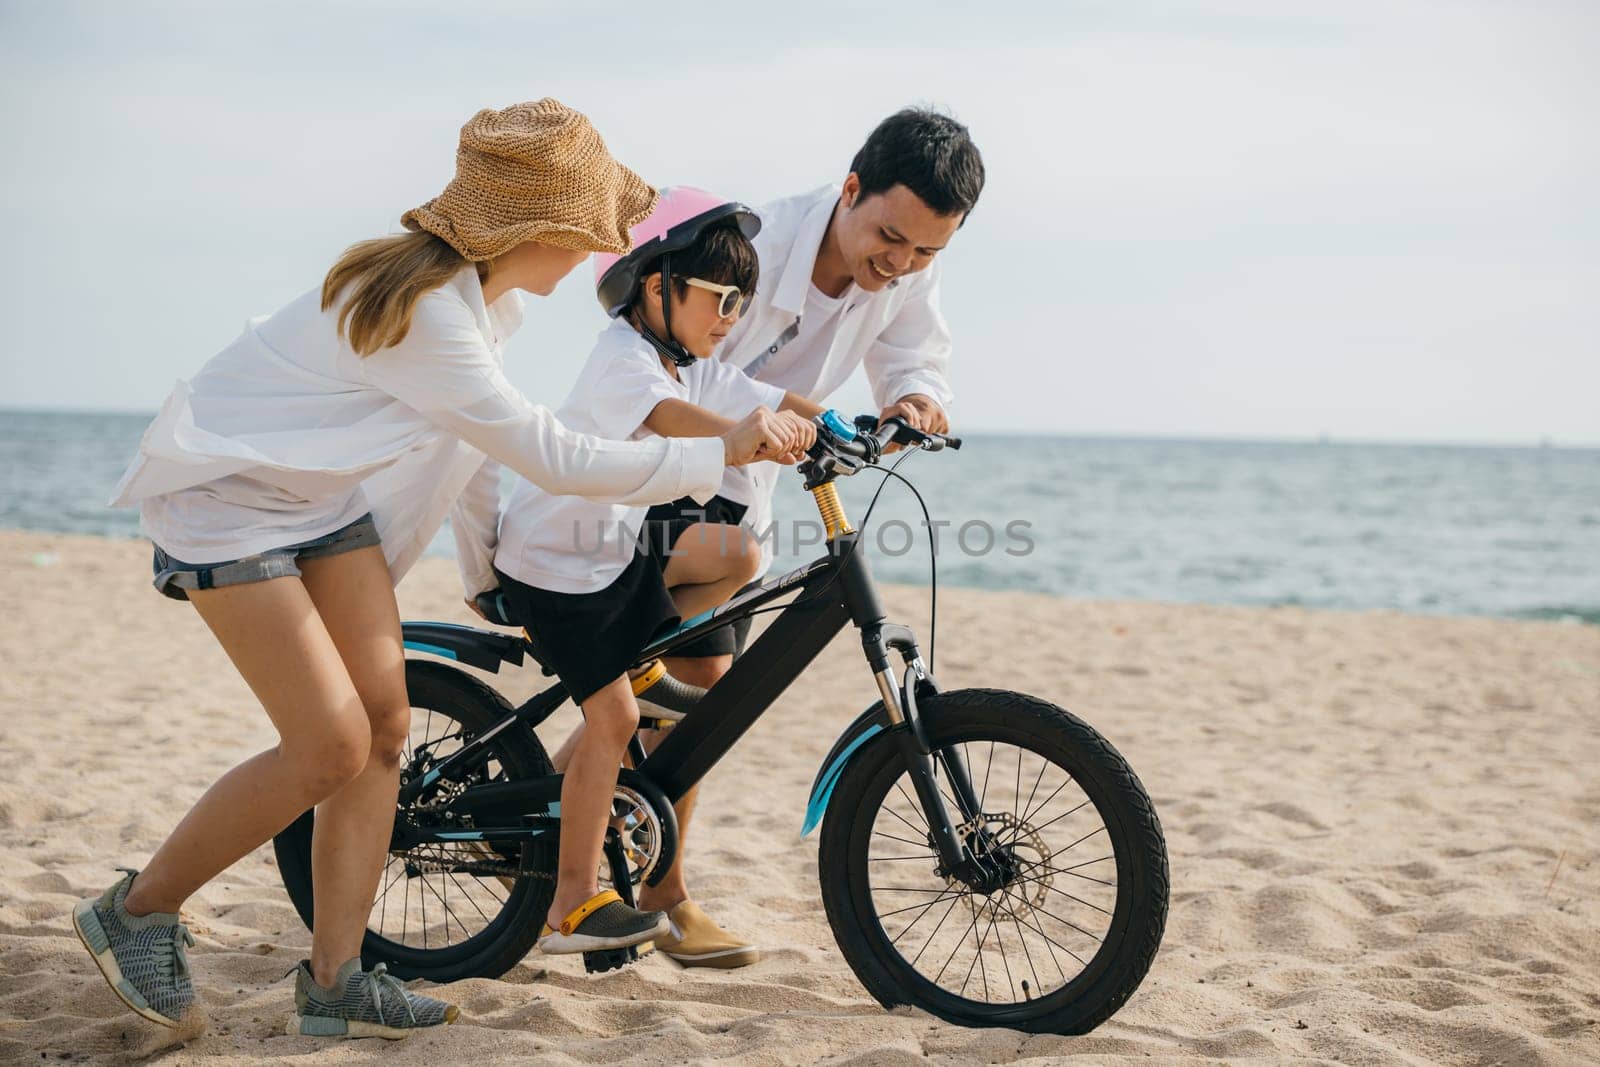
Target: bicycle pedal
(611,959)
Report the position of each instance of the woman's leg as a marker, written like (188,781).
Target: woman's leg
(354,595)
(273,635)
(610,717)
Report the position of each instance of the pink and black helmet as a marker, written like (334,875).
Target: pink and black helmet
(679,217)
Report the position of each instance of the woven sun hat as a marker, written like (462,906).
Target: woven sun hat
(534,172)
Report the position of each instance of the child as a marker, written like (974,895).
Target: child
(572,569)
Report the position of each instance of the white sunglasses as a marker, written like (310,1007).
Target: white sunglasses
(732,300)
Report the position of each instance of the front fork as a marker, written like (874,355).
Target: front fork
(956,858)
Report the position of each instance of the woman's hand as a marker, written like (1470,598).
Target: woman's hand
(766,434)
(473,604)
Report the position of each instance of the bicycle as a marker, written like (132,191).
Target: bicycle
(1059,895)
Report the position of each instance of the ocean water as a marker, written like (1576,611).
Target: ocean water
(1431,529)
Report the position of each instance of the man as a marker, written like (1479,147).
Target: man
(849,277)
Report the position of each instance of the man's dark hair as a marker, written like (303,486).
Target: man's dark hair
(721,253)
(929,153)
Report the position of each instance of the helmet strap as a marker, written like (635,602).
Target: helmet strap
(668,346)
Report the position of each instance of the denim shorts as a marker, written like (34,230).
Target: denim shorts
(173,576)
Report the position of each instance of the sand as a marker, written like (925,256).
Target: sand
(1383,833)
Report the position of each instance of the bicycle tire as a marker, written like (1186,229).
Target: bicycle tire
(975,716)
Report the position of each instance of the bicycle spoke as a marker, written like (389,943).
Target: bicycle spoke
(1064,922)
(1042,880)
(429,887)
(983,794)
(1052,941)
(977,956)
(1058,818)
(914,907)
(891,837)
(907,889)
(902,818)
(925,909)
(1043,766)
(474,903)
(959,941)
(1011,985)
(935,933)
(915,807)
(1025,952)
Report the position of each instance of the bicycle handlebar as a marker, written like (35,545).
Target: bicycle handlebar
(845,448)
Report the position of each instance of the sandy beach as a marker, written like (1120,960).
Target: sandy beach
(1384,833)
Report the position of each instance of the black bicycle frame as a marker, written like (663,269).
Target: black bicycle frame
(834,590)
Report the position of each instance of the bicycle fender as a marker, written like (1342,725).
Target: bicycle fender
(483,649)
(867,725)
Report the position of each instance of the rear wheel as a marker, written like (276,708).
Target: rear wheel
(1073,925)
(458,909)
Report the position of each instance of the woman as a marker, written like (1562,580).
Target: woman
(297,477)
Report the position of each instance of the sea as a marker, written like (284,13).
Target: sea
(1512,532)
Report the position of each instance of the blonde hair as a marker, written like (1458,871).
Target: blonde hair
(387,276)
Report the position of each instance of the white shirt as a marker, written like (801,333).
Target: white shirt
(570,544)
(798,364)
(897,333)
(287,434)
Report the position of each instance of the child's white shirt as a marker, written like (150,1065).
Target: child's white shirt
(571,544)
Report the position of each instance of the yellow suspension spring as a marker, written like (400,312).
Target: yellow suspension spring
(833,519)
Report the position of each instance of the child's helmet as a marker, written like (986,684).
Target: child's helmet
(678,219)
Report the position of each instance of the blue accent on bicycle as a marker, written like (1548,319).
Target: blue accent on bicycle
(419,646)
(830,778)
(838,425)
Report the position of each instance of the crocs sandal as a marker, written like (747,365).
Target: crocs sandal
(661,696)
(603,922)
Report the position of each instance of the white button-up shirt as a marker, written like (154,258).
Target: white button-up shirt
(897,333)
(299,425)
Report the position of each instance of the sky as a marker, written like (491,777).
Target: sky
(1234,218)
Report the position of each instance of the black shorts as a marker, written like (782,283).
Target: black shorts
(663,525)
(591,639)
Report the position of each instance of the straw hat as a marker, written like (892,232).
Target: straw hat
(534,172)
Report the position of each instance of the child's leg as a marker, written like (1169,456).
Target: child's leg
(710,562)
(610,717)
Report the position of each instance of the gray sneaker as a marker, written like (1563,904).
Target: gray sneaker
(141,956)
(362,1004)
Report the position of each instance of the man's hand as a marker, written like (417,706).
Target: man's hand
(920,412)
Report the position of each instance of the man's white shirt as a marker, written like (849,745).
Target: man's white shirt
(797,337)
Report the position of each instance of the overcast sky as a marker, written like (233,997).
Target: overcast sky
(1246,218)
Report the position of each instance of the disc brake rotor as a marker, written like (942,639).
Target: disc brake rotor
(987,834)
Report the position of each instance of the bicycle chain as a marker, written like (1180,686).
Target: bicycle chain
(492,870)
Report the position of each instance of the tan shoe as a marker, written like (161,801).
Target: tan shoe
(696,941)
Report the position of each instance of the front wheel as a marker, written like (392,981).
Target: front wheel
(1068,934)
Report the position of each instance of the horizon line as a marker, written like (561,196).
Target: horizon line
(1319,438)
